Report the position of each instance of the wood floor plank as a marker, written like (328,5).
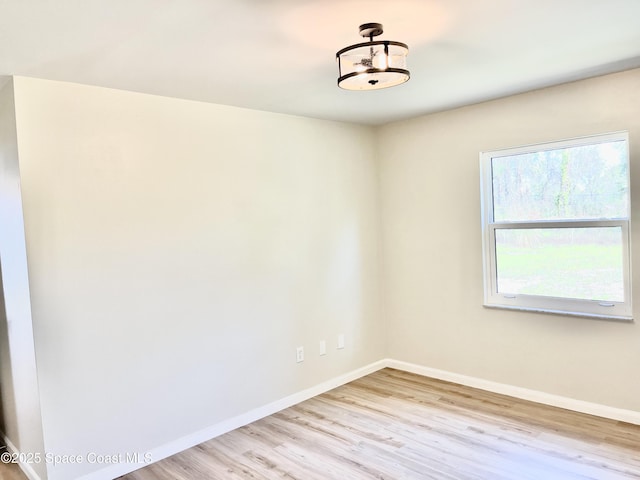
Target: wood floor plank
(10,471)
(397,425)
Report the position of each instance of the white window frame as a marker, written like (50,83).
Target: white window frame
(558,305)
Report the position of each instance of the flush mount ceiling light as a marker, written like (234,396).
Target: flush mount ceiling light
(374,64)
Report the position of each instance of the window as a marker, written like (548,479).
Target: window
(555,220)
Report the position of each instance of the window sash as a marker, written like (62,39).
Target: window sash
(563,305)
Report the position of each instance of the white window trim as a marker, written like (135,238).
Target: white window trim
(563,306)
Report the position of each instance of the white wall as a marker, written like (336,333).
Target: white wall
(179,252)
(18,381)
(432,251)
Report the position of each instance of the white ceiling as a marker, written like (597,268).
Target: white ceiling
(279,55)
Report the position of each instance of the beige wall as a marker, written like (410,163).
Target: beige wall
(18,381)
(179,252)
(432,269)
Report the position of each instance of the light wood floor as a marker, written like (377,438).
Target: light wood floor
(10,471)
(396,425)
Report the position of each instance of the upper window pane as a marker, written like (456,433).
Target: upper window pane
(578,182)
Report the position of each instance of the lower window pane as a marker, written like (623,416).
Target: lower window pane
(582,263)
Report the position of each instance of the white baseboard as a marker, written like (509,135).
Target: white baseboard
(629,416)
(225,426)
(26,468)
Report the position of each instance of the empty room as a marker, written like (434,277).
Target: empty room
(320,239)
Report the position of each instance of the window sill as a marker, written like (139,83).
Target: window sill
(596,316)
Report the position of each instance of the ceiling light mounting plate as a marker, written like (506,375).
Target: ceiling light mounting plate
(371,30)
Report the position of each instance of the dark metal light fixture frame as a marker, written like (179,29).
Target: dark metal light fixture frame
(369,73)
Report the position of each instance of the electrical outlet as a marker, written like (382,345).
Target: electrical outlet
(300,354)
(323,347)
(341,341)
